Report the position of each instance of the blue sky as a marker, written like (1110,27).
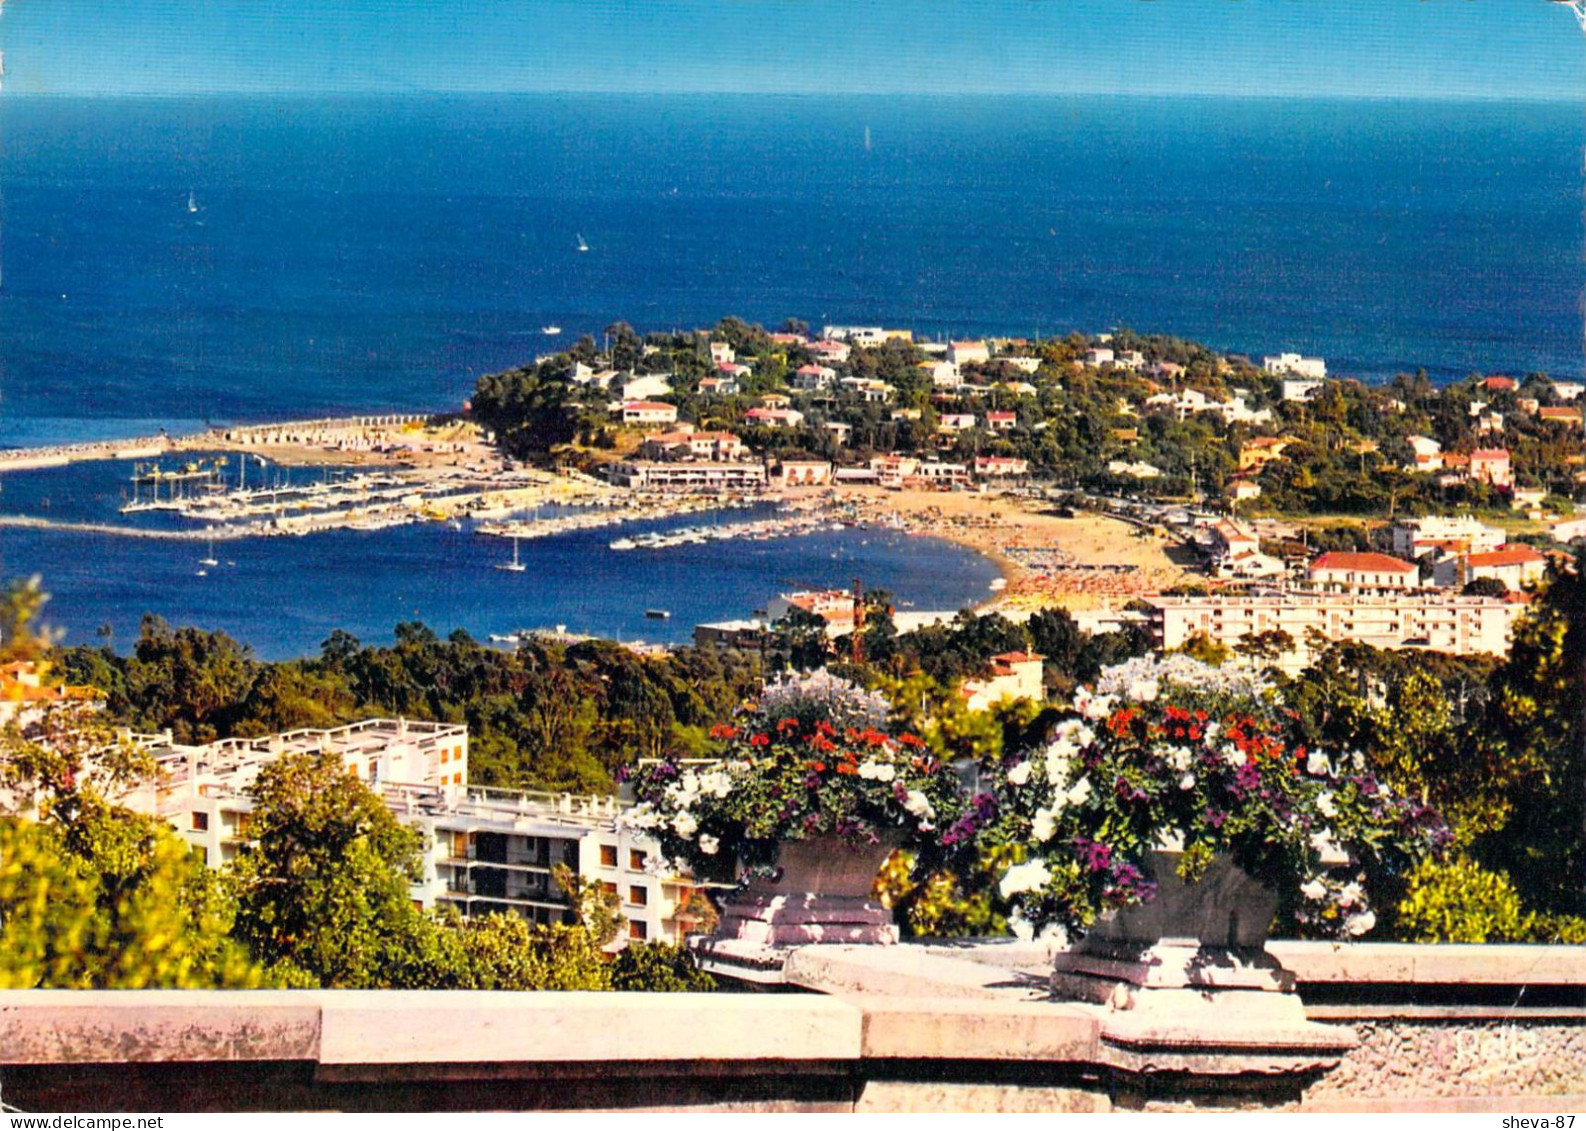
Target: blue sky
(1395,48)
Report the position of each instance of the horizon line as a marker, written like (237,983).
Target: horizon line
(933,95)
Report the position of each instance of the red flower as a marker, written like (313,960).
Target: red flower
(910,740)
(722,730)
(760,740)
(818,767)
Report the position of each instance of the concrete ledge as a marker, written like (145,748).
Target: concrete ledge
(152,1026)
(909,971)
(933,1027)
(378,1027)
(937,1028)
(1444,964)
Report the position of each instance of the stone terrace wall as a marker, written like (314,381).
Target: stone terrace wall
(961,1027)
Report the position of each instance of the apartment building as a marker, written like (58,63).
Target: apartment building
(1413,537)
(485,849)
(1433,619)
(688,475)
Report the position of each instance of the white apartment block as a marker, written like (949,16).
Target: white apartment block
(1279,364)
(687,475)
(1431,619)
(1413,537)
(484,849)
(968,353)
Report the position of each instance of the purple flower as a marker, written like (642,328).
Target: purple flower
(1093,853)
(1214,818)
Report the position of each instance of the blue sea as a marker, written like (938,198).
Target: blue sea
(381,253)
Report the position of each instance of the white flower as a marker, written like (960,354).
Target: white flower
(1080,792)
(1181,758)
(1314,890)
(709,844)
(1324,804)
(685,791)
(1044,826)
(1187,781)
(877,771)
(1095,706)
(1170,840)
(1032,875)
(1145,690)
(1021,927)
(919,805)
(1324,844)
(1352,895)
(1359,924)
(684,824)
(1058,756)
(1076,732)
(1358,760)
(716,784)
(1211,730)
(1317,765)
(1234,756)
(1019,775)
(642,816)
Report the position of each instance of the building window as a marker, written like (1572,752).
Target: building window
(608,887)
(637,930)
(608,856)
(636,859)
(639,894)
(201,822)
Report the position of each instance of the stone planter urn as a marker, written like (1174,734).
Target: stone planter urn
(821,894)
(1187,983)
(1211,933)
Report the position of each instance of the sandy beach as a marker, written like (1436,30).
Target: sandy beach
(1086,562)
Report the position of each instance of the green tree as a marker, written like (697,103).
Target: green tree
(658,967)
(323,883)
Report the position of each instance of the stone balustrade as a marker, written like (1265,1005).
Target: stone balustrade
(952,1026)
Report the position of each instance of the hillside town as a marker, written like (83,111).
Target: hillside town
(1282,502)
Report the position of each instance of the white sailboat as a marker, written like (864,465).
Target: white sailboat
(192,202)
(582,246)
(209,558)
(514,566)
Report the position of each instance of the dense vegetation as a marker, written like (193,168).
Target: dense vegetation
(548,716)
(1496,746)
(1348,451)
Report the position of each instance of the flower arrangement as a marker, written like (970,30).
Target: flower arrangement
(811,760)
(1149,770)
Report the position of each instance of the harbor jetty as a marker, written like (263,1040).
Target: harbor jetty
(59,455)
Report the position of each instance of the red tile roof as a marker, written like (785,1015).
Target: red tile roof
(1507,556)
(1361,563)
